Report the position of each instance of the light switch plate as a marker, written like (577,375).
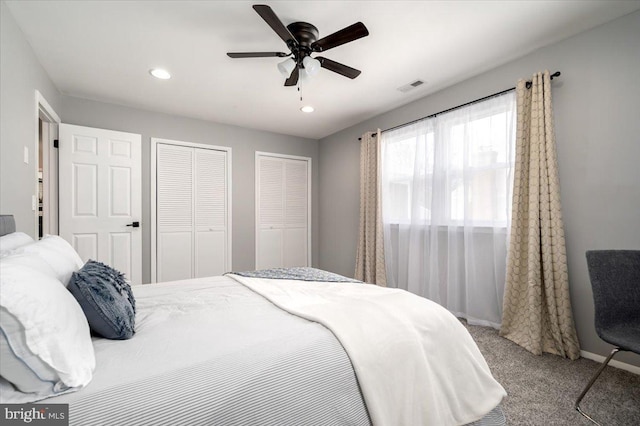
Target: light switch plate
(26,155)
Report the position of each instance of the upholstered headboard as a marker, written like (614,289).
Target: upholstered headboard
(7,224)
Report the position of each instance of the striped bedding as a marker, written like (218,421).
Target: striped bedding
(212,352)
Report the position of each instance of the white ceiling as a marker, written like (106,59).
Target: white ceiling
(103,50)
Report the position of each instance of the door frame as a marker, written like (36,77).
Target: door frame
(257,198)
(44,112)
(154,197)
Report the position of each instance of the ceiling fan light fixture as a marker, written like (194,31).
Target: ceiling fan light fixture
(286,67)
(307,109)
(160,73)
(311,65)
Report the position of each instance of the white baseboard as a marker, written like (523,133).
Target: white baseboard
(617,364)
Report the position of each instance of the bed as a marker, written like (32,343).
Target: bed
(283,347)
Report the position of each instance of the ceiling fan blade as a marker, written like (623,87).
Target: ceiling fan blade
(293,78)
(257,54)
(345,35)
(339,68)
(274,22)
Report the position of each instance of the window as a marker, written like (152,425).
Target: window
(446,203)
(451,169)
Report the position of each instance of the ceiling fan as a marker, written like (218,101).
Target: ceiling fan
(302,40)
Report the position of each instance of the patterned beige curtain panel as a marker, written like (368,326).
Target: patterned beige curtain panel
(370,266)
(537,311)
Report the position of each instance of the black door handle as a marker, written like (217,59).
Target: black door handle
(134,224)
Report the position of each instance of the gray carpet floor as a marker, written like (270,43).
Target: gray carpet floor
(542,389)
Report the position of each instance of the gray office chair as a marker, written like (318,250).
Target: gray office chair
(615,279)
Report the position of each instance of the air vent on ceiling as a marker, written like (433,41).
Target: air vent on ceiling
(408,87)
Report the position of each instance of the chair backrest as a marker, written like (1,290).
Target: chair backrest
(615,279)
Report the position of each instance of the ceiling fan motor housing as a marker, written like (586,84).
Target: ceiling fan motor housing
(305,34)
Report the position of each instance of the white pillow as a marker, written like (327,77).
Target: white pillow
(21,367)
(58,254)
(52,325)
(30,260)
(13,241)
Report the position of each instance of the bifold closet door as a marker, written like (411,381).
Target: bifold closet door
(282,212)
(192,194)
(210,229)
(175,205)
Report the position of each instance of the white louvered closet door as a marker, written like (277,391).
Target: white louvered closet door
(174,174)
(295,214)
(192,219)
(282,212)
(210,213)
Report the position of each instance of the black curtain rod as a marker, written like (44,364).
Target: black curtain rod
(528,85)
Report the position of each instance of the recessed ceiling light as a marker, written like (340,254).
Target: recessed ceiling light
(307,108)
(160,73)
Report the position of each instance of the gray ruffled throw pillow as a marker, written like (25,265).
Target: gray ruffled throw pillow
(106,299)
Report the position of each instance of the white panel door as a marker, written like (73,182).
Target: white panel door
(100,196)
(282,211)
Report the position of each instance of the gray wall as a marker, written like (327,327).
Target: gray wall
(598,136)
(20,76)
(244,143)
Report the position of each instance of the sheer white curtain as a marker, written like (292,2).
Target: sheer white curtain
(446,205)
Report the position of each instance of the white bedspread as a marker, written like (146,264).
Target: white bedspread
(415,363)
